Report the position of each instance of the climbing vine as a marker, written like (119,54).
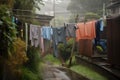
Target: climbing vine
(7,32)
(12,49)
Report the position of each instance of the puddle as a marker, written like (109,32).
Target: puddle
(67,74)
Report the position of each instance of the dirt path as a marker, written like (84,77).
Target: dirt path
(51,72)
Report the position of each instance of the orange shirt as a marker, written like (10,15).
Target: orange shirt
(90,30)
(80,32)
(85,30)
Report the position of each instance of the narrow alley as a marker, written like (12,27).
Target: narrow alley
(59,39)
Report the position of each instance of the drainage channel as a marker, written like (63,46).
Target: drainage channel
(100,66)
(71,74)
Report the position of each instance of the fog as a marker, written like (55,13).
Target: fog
(57,8)
(65,11)
(51,6)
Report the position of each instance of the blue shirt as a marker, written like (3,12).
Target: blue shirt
(47,32)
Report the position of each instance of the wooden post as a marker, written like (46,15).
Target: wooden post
(26,35)
(72,52)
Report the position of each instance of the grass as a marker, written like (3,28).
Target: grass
(28,74)
(73,61)
(87,72)
(55,60)
(33,68)
(51,59)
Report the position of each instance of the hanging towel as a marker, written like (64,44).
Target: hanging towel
(90,30)
(34,35)
(70,30)
(85,30)
(80,32)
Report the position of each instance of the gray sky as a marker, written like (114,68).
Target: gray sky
(61,13)
(48,7)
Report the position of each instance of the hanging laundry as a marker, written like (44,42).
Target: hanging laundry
(86,47)
(80,32)
(47,46)
(47,32)
(98,27)
(34,35)
(46,37)
(42,43)
(58,37)
(90,30)
(84,36)
(70,29)
(101,25)
(85,30)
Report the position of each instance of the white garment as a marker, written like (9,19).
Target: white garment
(34,35)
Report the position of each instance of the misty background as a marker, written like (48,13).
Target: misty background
(66,11)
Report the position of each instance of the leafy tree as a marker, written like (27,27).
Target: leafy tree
(7,2)
(83,6)
(7,31)
(59,21)
(22,4)
(26,9)
(22,7)
(7,37)
(27,4)
(12,51)
(91,15)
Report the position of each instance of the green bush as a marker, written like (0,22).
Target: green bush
(31,70)
(65,50)
(29,75)
(88,72)
(7,32)
(52,59)
(91,15)
(33,55)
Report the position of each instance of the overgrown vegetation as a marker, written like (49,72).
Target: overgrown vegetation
(13,52)
(51,59)
(17,59)
(8,38)
(28,74)
(65,52)
(7,32)
(87,72)
(31,70)
(34,58)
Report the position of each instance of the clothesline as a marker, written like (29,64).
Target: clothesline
(39,35)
